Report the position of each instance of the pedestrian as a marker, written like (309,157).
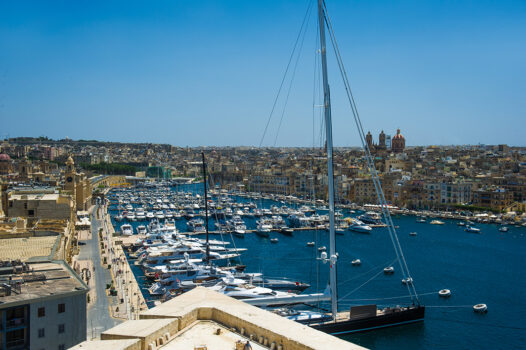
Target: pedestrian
(248,346)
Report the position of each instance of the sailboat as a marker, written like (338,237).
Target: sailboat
(361,317)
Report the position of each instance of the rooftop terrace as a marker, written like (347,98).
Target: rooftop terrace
(20,283)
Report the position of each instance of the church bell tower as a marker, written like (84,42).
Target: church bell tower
(70,176)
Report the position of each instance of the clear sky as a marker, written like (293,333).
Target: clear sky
(205,72)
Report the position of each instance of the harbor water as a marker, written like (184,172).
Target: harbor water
(478,268)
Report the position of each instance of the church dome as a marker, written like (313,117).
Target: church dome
(4,157)
(398,135)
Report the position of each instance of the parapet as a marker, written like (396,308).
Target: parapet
(206,319)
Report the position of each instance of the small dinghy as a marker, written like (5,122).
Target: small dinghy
(389,270)
(444,293)
(408,280)
(480,308)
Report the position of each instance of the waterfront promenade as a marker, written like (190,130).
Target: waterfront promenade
(128,301)
(91,268)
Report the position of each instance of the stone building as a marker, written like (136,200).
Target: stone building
(494,198)
(78,185)
(6,164)
(385,143)
(398,142)
(42,203)
(42,306)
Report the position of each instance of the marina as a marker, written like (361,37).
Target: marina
(436,255)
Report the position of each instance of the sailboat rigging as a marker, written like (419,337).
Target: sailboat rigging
(364,317)
(206,209)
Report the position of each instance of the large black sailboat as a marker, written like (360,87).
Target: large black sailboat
(361,317)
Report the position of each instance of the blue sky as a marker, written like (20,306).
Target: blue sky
(206,72)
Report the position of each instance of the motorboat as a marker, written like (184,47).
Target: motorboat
(126,230)
(274,240)
(503,229)
(472,229)
(196,225)
(286,230)
(356,262)
(362,228)
(310,244)
(240,231)
(141,230)
(412,233)
(371,217)
(437,222)
(140,215)
(263,229)
(408,280)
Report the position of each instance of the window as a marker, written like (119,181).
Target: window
(30,212)
(61,308)
(41,332)
(61,328)
(41,311)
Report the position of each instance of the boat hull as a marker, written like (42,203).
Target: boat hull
(398,318)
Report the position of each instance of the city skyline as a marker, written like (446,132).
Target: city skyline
(191,74)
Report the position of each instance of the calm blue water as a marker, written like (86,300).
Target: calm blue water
(478,268)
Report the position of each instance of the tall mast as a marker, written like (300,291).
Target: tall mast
(328,129)
(206,209)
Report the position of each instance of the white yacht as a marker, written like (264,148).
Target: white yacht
(359,226)
(472,229)
(140,215)
(126,230)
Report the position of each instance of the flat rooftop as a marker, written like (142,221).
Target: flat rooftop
(121,344)
(205,333)
(27,248)
(43,280)
(35,196)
